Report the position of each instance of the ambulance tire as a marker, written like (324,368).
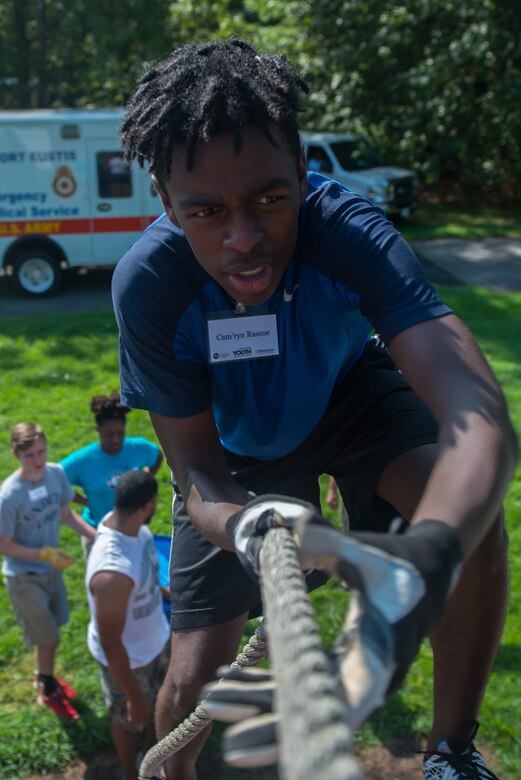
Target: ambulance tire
(36,273)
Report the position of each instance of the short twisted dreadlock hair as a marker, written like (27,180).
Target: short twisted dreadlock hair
(204,89)
(108,407)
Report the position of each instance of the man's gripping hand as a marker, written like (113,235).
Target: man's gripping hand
(246,529)
(400,584)
(56,557)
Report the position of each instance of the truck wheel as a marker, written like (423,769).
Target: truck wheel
(36,273)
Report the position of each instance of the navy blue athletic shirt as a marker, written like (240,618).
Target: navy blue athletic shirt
(350,272)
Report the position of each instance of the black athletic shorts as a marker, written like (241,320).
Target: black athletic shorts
(372,418)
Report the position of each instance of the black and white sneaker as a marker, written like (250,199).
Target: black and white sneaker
(457,760)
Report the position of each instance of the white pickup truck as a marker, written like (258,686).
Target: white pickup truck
(354,162)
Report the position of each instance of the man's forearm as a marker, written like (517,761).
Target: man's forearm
(472,473)
(477,443)
(196,457)
(78,524)
(209,517)
(79,498)
(119,665)
(16,550)
(210,502)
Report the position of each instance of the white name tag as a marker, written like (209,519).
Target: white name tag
(37,493)
(242,338)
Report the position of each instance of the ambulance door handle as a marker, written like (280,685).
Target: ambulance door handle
(104,206)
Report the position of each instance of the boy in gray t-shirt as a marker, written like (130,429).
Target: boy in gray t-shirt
(33,501)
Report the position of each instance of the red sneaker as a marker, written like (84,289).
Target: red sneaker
(57,702)
(65,687)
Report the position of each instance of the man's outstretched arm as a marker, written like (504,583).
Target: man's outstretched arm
(111,591)
(195,455)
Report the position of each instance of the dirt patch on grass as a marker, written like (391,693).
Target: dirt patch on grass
(398,761)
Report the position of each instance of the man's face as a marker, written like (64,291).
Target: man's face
(33,460)
(239,212)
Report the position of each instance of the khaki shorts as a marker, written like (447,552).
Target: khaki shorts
(39,602)
(149,679)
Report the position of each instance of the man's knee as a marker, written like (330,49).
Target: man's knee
(182,687)
(404,479)
(196,655)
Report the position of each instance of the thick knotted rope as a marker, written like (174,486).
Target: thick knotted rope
(314,735)
(252,655)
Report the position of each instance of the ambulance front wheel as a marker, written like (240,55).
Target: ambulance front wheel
(36,272)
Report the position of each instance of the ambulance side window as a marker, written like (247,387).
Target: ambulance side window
(114,179)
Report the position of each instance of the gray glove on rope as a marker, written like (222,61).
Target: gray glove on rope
(247,696)
(246,529)
(401,584)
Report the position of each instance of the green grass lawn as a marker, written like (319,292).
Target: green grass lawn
(50,367)
(493,318)
(440,220)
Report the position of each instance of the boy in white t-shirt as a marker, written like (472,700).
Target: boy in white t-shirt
(33,501)
(128,633)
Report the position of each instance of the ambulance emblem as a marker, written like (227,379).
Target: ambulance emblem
(64,183)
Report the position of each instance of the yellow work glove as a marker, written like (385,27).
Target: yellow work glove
(56,557)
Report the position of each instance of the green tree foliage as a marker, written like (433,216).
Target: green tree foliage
(437,82)
(85,53)
(268,24)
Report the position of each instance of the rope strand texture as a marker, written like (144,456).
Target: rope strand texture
(314,736)
(315,739)
(252,655)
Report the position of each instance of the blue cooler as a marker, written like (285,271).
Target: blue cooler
(163,544)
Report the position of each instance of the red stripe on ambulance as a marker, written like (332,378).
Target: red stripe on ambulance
(50,227)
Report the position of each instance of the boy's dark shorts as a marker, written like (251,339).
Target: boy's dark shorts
(372,418)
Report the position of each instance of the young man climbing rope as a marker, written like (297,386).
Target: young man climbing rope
(244,315)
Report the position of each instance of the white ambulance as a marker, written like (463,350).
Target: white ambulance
(67,197)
